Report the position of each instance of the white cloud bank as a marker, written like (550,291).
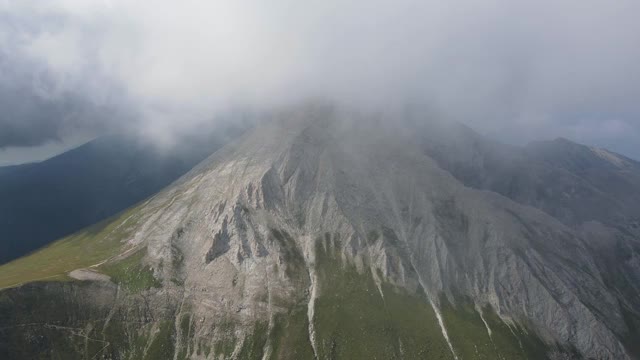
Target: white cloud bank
(519,69)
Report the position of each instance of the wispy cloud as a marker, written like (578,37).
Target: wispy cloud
(520,69)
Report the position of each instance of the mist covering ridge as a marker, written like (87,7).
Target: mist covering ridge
(516,71)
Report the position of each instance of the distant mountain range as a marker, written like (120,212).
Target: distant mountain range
(45,201)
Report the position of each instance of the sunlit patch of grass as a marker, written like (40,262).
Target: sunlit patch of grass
(83,249)
(132,273)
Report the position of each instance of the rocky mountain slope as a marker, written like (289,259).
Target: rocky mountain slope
(591,190)
(330,235)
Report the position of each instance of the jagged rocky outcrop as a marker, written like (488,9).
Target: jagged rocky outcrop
(326,234)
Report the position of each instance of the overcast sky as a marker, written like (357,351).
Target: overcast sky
(516,70)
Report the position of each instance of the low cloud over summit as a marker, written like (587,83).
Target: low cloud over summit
(518,70)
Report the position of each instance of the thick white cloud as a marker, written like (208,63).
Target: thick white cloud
(520,69)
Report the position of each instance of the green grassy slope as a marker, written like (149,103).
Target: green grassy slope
(81,250)
(357,319)
(354,321)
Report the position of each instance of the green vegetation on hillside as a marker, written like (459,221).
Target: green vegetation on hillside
(354,321)
(131,273)
(470,337)
(289,336)
(356,318)
(81,250)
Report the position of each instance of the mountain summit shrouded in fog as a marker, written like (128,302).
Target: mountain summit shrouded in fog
(520,71)
(324,233)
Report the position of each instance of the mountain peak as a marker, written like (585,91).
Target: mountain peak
(321,234)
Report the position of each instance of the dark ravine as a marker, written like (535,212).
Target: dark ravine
(324,234)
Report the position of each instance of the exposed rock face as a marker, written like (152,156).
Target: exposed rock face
(593,191)
(324,235)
